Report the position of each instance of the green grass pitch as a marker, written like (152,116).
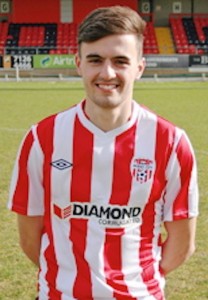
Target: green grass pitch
(25,103)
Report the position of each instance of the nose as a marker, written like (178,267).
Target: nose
(107,70)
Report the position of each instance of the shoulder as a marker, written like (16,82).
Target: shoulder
(44,130)
(167,133)
(49,122)
(163,125)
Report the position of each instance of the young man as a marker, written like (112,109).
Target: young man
(93,185)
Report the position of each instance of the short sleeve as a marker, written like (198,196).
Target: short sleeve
(181,193)
(26,194)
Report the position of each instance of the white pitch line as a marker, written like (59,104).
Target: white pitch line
(12,129)
(202,152)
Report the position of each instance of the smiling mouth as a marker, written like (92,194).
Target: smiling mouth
(107,87)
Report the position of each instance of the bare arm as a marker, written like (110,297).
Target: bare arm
(30,231)
(179,245)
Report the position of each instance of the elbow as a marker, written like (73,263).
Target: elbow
(172,258)
(31,250)
(187,252)
(190,251)
(25,245)
(28,244)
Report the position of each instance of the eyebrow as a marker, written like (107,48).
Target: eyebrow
(94,55)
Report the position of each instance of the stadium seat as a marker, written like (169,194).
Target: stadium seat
(3,35)
(66,37)
(189,33)
(179,35)
(32,36)
(201,23)
(43,38)
(150,41)
(190,30)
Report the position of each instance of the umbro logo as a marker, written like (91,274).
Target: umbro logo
(61,164)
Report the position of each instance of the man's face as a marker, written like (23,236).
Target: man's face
(109,67)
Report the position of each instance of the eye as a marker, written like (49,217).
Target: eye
(122,62)
(95,60)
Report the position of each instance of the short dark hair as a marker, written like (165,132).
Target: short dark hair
(105,21)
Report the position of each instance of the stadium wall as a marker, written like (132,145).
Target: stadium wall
(47,11)
(38,11)
(161,9)
(80,10)
(24,11)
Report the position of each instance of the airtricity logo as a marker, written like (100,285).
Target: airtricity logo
(46,61)
(108,216)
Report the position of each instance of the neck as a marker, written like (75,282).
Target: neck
(108,119)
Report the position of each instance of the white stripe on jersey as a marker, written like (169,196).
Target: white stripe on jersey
(61,179)
(35,193)
(193,187)
(193,193)
(13,183)
(43,285)
(144,148)
(101,185)
(171,187)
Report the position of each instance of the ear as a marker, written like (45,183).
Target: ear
(78,63)
(141,67)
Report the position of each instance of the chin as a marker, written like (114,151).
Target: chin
(109,103)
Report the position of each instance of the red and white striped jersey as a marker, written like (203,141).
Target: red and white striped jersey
(103,196)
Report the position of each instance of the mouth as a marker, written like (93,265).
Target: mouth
(107,87)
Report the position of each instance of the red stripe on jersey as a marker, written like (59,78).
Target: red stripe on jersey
(45,131)
(164,145)
(121,187)
(185,158)
(113,264)
(22,186)
(81,192)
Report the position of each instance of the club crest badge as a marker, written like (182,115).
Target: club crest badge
(142,169)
